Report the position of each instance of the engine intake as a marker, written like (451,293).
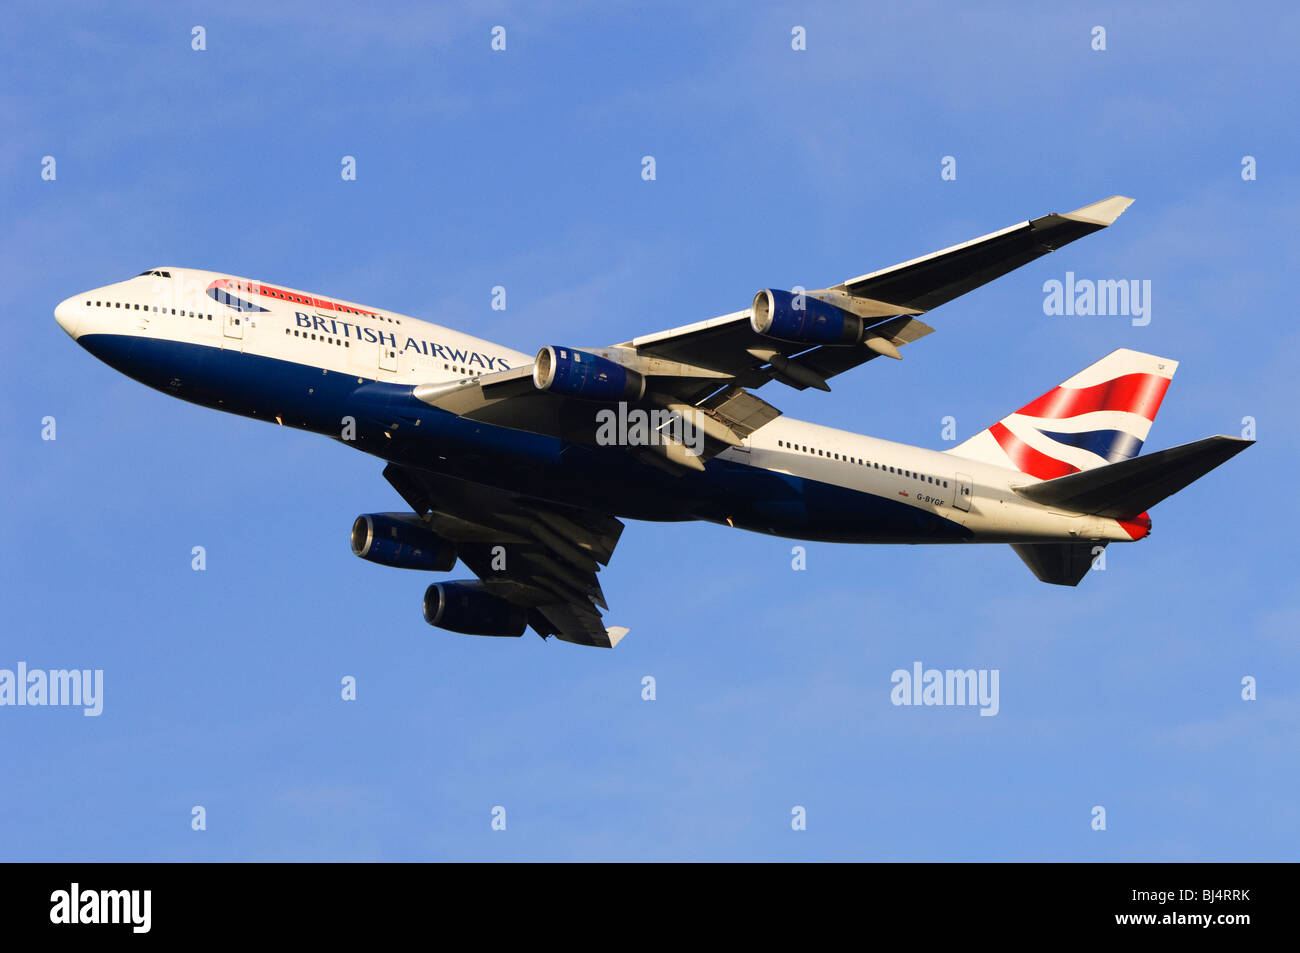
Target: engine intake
(390,539)
(562,370)
(467,608)
(803,319)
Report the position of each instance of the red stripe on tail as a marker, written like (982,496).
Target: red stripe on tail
(1027,459)
(1132,393)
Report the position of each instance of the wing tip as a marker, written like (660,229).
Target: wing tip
(1101,213)
(615,634)
(1241,442)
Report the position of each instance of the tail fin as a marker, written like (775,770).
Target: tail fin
(1101,415)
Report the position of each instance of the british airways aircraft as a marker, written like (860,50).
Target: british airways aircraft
(522,467)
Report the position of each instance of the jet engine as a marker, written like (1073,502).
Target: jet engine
(401,541)
(466,607)
(803,319)
(570,373)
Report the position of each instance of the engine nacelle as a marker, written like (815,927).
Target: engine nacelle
(776,314)
(562,370)
(388,539)
(467,608)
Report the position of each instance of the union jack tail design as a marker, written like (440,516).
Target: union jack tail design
(1100,415)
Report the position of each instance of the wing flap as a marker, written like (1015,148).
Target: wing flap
(581,628)
(741,411)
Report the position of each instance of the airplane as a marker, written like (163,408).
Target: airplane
(524,467)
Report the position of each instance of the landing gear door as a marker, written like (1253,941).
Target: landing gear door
(962,492)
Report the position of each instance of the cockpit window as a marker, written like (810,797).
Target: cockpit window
(160,274)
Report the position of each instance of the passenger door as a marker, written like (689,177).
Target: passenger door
(233,325)
(963,492)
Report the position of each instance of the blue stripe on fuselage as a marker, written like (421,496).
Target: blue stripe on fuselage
(391,424)
(239,304)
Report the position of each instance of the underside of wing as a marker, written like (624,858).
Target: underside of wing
(535,555)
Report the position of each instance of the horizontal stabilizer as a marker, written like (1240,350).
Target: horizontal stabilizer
(1061,564)
(1129,488)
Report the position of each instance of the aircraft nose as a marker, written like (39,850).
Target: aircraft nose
(68,314)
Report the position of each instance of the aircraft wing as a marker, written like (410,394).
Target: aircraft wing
(539,555)
(705,371)
(888,301)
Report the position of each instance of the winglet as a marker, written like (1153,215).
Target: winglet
(1100,213)
(616,633)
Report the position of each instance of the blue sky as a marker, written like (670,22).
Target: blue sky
(522,168)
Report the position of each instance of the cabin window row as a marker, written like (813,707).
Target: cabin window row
(299,299)
(154,308)
(845,458)
(282,295)
(337,342)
